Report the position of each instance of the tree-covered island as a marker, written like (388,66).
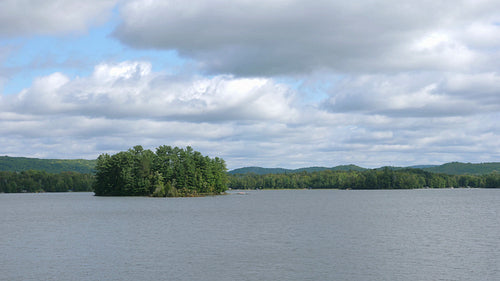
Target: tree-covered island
(169,172)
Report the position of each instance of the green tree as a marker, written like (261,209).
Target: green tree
(168,172)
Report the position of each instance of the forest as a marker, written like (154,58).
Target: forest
(184,172)
(384,178)
(41,181)
(170,172)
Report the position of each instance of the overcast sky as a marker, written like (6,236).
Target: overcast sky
(281,83)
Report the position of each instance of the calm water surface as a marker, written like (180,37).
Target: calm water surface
(263,235)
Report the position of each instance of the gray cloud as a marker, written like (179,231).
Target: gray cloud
(29,17)
(425,95)
(283,37)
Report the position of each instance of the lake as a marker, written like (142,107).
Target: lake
(447,234)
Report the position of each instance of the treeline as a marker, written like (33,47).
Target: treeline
(385,178)
(169,172)
(41,181)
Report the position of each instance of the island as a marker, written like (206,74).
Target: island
(168,172)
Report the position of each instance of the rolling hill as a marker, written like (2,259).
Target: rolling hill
(263,171)
(457,168)
(453,168)
(19,164)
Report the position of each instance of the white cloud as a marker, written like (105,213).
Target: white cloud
(482,34)
(132,90)
(369,120)
(439,49)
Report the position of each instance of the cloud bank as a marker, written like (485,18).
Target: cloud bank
(132,90)
(293,36)
(283,83)
(252,121)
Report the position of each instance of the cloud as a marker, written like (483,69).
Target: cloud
(369,120)
(132,90)
(426,95)
(123,104)
(291,83)
(481,87)
(291,36)
(31,17)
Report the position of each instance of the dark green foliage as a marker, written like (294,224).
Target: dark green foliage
(384,178)
(19,164)
(168,172)
(492,180)
(41,181)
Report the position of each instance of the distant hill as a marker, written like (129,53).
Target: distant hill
(457,168)
(263,171)
(259,171)
(19,164)
(454,168)
(421,166)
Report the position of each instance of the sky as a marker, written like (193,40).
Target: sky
(282,83)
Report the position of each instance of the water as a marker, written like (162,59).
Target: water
(264,235)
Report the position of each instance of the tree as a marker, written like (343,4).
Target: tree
(168,172)
(386,178)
